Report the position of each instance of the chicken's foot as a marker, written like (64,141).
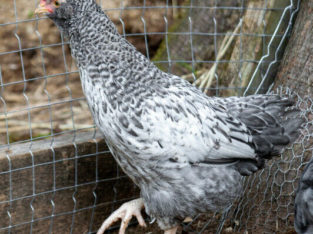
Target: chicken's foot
(171,231)
(125,213)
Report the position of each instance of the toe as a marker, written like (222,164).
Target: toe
(125,213)
(124,223)
(140,219)
(115,216)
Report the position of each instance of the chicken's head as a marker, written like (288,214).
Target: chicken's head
(48,6)
(65,13)
(60,11)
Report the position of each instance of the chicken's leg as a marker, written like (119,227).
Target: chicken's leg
(171,231)
(125,213)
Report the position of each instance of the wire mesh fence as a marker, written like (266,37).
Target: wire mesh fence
(267,202)
(67,180)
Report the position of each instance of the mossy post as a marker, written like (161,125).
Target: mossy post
(296,68)
(258,30)
(190,38)
(260,36)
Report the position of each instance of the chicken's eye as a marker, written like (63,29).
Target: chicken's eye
(56,3)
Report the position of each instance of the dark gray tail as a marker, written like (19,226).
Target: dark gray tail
(273,121)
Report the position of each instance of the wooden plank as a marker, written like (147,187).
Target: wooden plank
(62,173)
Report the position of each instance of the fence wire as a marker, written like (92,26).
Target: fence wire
(224,47)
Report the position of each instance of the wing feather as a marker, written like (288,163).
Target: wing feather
(203,132)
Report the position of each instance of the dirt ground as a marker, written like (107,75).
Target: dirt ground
(38,73)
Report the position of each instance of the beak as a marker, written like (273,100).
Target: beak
(42,8)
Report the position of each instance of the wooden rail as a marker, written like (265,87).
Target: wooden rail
(59,178)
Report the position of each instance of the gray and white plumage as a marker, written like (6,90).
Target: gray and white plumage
(186,152)
(304,201)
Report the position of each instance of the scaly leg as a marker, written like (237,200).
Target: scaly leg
(125,213)
(171,231)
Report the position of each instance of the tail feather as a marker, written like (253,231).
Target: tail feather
(278,125)
(273,121)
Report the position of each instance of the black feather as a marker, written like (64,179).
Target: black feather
(304,202)
(273,122)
